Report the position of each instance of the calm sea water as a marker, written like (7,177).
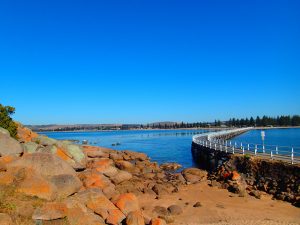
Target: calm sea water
(170,145)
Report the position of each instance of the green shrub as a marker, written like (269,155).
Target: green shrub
(6,121)
(247,156)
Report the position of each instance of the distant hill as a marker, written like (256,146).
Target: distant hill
(57,127)
(77,127)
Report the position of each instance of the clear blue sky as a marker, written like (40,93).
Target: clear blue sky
(144,61)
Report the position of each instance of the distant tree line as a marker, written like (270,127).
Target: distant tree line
(265,121)
(174,125)
(233,122)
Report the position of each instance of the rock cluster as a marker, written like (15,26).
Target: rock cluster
(73,184)
(248,175)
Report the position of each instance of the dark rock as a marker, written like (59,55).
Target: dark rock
(255,194)
(280,196)
(160,211)
(197,205)
(175,210)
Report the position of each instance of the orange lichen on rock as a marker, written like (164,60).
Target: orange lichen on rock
(94,179)
(6,178)
(61,154)
(37,186)
(4,160)
(115,217)
(158,221)
(7,159)
(25,134)
(127,203)
(101,206)
(101,164)
(235,175)
(50,211)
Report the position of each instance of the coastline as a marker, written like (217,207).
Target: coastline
(150,129)
(113,186)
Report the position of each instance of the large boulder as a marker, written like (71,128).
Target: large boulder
(100,164)
(127,203)
(115,217)
(147,167)
(160,189)
(5,160)
(194,175)
(8,145)
(48,149)
(124,165)
(135,218)
(44,140)
(4,131)
(74,152)
(101,206)
(78,214)
(24,134)
(175,210)
(104,166)
(33,184)
(95,179)
(121,176)
(46,164)
(66,184)
(50,211)
(30,147)
(116,156)
(95,152)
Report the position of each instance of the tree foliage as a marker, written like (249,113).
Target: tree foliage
(6,121)
(266,121)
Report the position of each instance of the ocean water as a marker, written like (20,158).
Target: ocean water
(283,139)
(171,145)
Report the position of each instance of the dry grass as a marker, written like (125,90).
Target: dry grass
(9,202)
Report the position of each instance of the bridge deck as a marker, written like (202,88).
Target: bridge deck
(218,141)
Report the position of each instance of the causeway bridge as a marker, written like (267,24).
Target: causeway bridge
(219,143)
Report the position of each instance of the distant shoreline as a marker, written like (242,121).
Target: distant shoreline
(151,129)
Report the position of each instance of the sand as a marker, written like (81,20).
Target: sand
(220,207)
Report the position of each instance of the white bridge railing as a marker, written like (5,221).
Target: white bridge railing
(218,141)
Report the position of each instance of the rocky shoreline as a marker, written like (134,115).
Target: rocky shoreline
(85,183)
(46,181)
(246,174)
